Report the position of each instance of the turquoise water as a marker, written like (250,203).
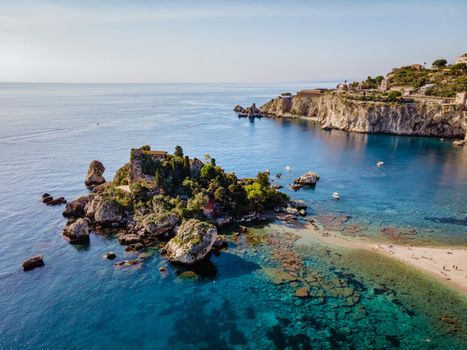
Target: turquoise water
(50,133)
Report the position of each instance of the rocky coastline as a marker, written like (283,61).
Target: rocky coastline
(173,203)
(333,110)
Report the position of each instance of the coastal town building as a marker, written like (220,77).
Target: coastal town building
(156,154)
(342,88)
(462,59)
(461,99)
(385,85)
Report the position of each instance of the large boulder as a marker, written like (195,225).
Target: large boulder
(94,176)
(108,211)
(308,179)
(193,241)
(76,207)
(33,262)
(77,232)
(103,210)
(160,224)
(91,207)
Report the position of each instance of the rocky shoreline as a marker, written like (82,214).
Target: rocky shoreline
(334,110)
(174,203)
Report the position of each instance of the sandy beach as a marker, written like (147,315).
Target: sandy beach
(446,264)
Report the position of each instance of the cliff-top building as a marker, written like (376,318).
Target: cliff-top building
(462,59)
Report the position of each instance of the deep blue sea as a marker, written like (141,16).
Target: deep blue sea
(49,133)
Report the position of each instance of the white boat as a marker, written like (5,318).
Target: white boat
(336,195)
(288,168)
(379,164)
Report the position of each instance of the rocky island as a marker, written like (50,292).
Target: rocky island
(410,100)
(170,201)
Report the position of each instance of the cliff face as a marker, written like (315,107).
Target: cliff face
(331,110)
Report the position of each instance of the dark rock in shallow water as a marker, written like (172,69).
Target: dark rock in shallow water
(32,262)
(110,255)
(57,201)
(220,243)
(126,263)
(77,232)
(47,199)
(298,204)
(94,176)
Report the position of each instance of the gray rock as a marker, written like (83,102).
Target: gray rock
(77,232)
(94,176)
(193,241)
(108,211)
(291,211)
(129,239)
(33,262)
(308,179)
(158,225)
(76,207)
(299,204)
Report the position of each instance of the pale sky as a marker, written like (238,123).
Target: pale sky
(223,41)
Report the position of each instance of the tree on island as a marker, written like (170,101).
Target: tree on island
(178,151)
(439,63)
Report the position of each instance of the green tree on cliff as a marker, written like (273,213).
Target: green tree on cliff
(439,63)
(178,151)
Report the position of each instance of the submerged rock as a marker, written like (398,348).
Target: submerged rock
(94,176)
(308,179)
(33,262)
(302,292)
(77,232)
(193,241)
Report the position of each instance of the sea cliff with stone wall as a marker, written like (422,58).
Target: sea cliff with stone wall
(330,109)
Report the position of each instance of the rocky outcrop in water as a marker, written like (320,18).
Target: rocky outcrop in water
(193,241)
(49,200)
(33,262)
(154,192)
(250,112)
(308,179)
(76,208)
(335,111)
(77,232)
(95,173)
